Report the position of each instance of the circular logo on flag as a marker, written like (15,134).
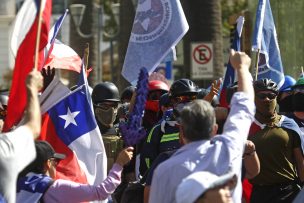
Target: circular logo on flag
(151,20)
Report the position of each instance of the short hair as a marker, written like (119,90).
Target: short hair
(197,119)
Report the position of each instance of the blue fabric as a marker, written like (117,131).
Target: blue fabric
(265,39)
(292,125)
(158,26)
(34,183)
(85,122)
(2,200)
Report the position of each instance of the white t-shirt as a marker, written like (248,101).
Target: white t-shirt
(17,150)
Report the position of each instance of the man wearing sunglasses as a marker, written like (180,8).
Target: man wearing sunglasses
(277,142)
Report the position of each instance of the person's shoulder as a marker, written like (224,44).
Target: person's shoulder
(290,124)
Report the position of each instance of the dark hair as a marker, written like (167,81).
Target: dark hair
(197,119)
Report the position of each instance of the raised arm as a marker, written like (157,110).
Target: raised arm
(241,63)
(32,115)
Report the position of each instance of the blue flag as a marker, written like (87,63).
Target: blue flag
(158,26)
(265,39)
(230,73)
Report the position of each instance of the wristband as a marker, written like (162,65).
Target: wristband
(249,153)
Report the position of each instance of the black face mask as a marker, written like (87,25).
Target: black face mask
(286,104)
(298,102)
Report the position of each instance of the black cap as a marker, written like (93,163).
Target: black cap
(45,151)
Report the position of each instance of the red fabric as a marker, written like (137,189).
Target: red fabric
(23,65)
(68,168)
(223,102)
(247,189)
(247,186)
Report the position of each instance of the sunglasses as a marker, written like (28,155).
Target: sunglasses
(106,106)
(268,95)
(183,99)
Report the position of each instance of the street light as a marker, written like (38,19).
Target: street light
(77,12)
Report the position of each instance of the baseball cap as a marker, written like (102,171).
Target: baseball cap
(45,151)
(196,184)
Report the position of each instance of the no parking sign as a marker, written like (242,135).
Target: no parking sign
(201,60)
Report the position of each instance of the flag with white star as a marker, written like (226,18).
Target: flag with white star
(70,127)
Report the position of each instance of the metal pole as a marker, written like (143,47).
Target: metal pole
(111,59)
(98,46)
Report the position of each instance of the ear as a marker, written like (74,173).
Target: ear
(47,165)
(214,130)
(182,139)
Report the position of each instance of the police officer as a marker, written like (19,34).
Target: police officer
(164,136)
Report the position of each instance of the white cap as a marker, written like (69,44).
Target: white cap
(196,184)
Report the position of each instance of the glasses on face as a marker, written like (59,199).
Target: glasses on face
(269,95)
(106,106)
(55,161)
(183,99)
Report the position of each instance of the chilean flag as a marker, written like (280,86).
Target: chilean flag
(63,57)
(23,41)
(70,127)
(59,55)
(230,73)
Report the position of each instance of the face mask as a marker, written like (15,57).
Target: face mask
(152,105)
(298,102)
(285,104)
(106,117)
(266,108)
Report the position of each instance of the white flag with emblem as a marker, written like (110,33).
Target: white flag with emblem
(158,26)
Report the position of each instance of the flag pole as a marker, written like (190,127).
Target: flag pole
(86,56)
(257,64)
(42,4)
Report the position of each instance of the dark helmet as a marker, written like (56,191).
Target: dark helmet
(183,87)
(266,84)
(127,93)
(105,91)
(202,92)
(164,100)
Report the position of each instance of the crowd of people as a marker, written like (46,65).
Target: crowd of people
(194,150)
